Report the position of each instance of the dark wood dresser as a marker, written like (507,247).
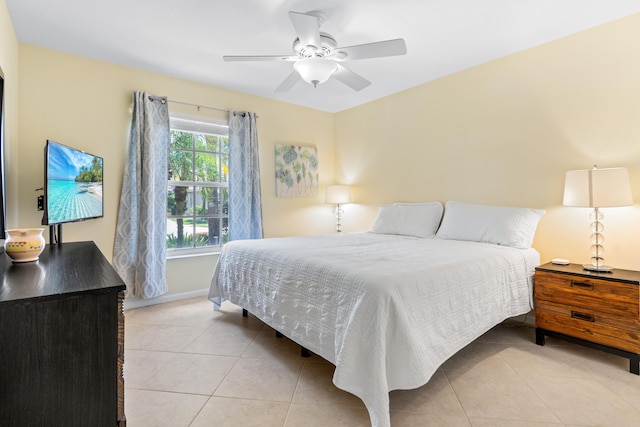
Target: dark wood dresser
(61,339)
(600,310)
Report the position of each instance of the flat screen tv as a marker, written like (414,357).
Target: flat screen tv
(73,185)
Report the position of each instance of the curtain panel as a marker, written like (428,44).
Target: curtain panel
(139,254)
(245,203)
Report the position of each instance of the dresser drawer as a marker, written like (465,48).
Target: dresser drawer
(594,295)
(590,325)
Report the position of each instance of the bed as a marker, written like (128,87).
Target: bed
(387,307)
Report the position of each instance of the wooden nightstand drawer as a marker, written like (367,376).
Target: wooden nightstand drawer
(615,331)
(620,299)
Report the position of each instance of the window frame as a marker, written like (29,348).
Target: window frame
(207,126)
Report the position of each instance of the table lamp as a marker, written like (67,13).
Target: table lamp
(597,188)
(339,195)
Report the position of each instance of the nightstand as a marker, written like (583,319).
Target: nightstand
(598,310)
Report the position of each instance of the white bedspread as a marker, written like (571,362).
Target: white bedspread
(386,310)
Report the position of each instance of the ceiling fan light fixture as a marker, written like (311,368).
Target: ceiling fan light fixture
(315,70)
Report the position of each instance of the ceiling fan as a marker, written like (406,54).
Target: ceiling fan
(317,56)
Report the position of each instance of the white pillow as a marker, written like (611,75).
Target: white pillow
(499,225)
(408,219)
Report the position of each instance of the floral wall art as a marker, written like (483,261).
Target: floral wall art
(296,171)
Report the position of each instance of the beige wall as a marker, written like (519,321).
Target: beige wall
(86,104)
(9,66)
(502,133)
(505,133)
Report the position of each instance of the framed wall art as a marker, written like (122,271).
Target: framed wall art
(296,171)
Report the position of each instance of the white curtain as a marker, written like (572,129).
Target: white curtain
(139,254)
(245,205)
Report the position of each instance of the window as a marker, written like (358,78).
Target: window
(198,186)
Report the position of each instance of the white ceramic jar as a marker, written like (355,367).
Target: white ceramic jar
(24,244)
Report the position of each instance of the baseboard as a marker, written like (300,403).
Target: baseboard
(130,303)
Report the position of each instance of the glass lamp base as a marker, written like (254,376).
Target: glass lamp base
(600,268)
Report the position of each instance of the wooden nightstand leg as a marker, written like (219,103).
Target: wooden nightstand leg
(634,364)
(539,336)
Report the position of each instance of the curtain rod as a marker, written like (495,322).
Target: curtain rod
(164,99)
(199,106)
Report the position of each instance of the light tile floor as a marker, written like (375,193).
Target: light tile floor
(187,365)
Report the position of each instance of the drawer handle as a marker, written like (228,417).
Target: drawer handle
(581,285)
(583,316)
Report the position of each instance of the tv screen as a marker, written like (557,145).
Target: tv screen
(73,185)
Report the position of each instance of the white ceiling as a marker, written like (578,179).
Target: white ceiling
(187,38)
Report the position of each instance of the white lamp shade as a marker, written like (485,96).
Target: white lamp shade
(597,188)
(338,194)
(315,70)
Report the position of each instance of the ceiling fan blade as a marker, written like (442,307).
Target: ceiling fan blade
(289,82)
(231,58)
(372,50)
(351,79)
(307,28)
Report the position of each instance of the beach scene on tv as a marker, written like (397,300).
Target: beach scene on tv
(74,185)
